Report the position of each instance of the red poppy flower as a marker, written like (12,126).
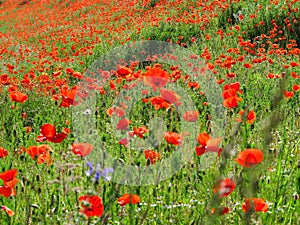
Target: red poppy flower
(3,152)
(250,117)
(210,66)
(68,96)
(7,210)
(128,199)
(138,131)
(296,87)
(156,78)
(230,75)
(116,111)
(77,75)
(41,153)
(224,187)
(28,129)
(257,204)
(124,141)
(4,79)
(152,156)
(250,157)
(170,96)
(230,95)
(158,102)
(91,205)
(18,96)
(232,102)
(191,116)
(48,133)
(193,85)
(293,64)
(7,191)
(220,211)
(288,94)
(203,138)
(124,72)
(173,138)
(9,178)
(208,144)
(122,124)
(247,65)
(82,149)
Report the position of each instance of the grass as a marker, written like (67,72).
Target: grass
(75,35)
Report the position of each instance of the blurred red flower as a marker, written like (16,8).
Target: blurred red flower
(122,124)
(128,199)
(156,78)
(68,96)
(82,149)
(288,94)
(16,96)
(230,95)
(224,187)
(296,87)
(7,210)
(152,156)
(251,116)
(257,204)
(139,131)
(3,152)
(208,144)
(7,191)
(220,211)
(170,96)
(91,205)
(124,72)
(48,133)
(124,141)
(250,157)
(191,116)
(41,153)
(247,65)
(173,138)
(10,180)
(116,111)
(158,102)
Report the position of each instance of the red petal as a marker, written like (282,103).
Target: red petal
(203,138)
(48,130)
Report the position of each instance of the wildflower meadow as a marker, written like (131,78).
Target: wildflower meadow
(149,112)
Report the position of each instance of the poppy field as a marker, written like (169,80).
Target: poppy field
(149,112)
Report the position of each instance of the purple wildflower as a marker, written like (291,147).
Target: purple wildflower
(90,171)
